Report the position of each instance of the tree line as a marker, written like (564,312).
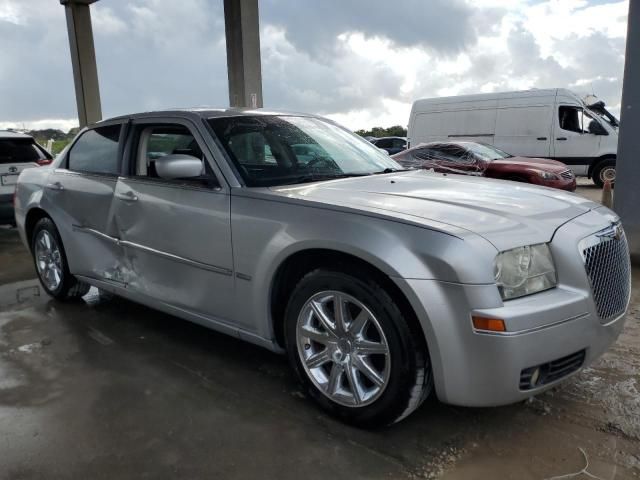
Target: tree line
(394,131)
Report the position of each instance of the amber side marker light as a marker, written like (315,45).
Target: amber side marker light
(489,324)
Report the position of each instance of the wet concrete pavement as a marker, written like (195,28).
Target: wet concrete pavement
(108,389)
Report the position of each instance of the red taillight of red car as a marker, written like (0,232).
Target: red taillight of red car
(44,161)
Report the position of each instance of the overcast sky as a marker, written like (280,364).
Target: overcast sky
(359,62)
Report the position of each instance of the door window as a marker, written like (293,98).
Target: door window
(574,119)
(96,151)
(155,142)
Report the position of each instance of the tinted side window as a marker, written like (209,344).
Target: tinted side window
(96,151)
(399,143)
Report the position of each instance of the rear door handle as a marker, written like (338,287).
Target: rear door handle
(127,196)
(55,186)
(561,138)
(542,138)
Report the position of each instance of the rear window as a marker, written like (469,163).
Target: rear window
(21,150)
(96,151)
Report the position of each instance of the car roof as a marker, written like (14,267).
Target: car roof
(386,138)
(12,134)
(206,112)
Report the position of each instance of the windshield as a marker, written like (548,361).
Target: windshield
(603,114)
(485,152)
(282,150)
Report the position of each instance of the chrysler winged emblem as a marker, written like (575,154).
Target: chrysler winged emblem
(613,232)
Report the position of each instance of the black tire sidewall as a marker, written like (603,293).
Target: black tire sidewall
(68,281)
(404,350)
(597,171)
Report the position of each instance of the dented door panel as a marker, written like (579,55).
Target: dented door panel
(177,244)
(80,204)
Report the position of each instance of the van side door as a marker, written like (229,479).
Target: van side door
(524,130)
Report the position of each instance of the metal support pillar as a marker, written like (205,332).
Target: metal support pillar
(243,53)
(627,188)
(83,60)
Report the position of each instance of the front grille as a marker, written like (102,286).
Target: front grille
(609,270)
(551,371)
(568,174)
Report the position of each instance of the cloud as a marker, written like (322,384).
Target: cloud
(361,63)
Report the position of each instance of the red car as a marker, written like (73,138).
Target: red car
(473,158)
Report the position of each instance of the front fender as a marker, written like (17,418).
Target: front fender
(266,233)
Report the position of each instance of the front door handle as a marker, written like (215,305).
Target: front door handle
(55,186)
(127,196)
(542,138)
(561,138)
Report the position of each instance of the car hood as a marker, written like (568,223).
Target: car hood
(527,162)
(505,213)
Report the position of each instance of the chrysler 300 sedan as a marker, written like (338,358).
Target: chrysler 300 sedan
(382,285)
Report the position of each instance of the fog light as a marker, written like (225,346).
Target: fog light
(535,376)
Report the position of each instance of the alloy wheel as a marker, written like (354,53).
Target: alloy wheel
(48,260)
(608,173)
(343,348)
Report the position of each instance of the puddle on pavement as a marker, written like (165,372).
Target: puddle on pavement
(19,292)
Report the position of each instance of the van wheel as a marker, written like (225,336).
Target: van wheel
(603,171)
(51,263)
(354,351)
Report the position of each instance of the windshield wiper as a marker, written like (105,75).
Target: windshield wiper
(392,170)
(318,177)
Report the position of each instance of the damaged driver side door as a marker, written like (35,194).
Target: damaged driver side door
(175,231)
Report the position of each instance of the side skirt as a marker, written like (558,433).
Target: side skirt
(198,318)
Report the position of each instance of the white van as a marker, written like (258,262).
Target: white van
(554,123)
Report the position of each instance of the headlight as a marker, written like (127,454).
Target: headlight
(547,175)
(525,270)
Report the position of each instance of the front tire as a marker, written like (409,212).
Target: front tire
(51,264)
(354,351)
(604,170)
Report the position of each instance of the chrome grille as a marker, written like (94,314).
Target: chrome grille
(568,174)
(606,259)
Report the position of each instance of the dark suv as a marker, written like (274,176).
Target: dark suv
(17,152)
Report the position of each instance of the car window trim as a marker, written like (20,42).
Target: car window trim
(130,154)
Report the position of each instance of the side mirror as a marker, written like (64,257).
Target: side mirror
(596,129)
(178,166)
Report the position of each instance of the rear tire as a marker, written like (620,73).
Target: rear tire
(51,264)
(604,170)
(372,371)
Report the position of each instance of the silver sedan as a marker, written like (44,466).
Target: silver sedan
(382,285)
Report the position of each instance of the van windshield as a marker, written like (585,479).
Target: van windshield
(485,152)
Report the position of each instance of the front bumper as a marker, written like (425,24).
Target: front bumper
(561,184)
(484,369)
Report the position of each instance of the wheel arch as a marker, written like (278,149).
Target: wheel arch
(31,218)
(296,265)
